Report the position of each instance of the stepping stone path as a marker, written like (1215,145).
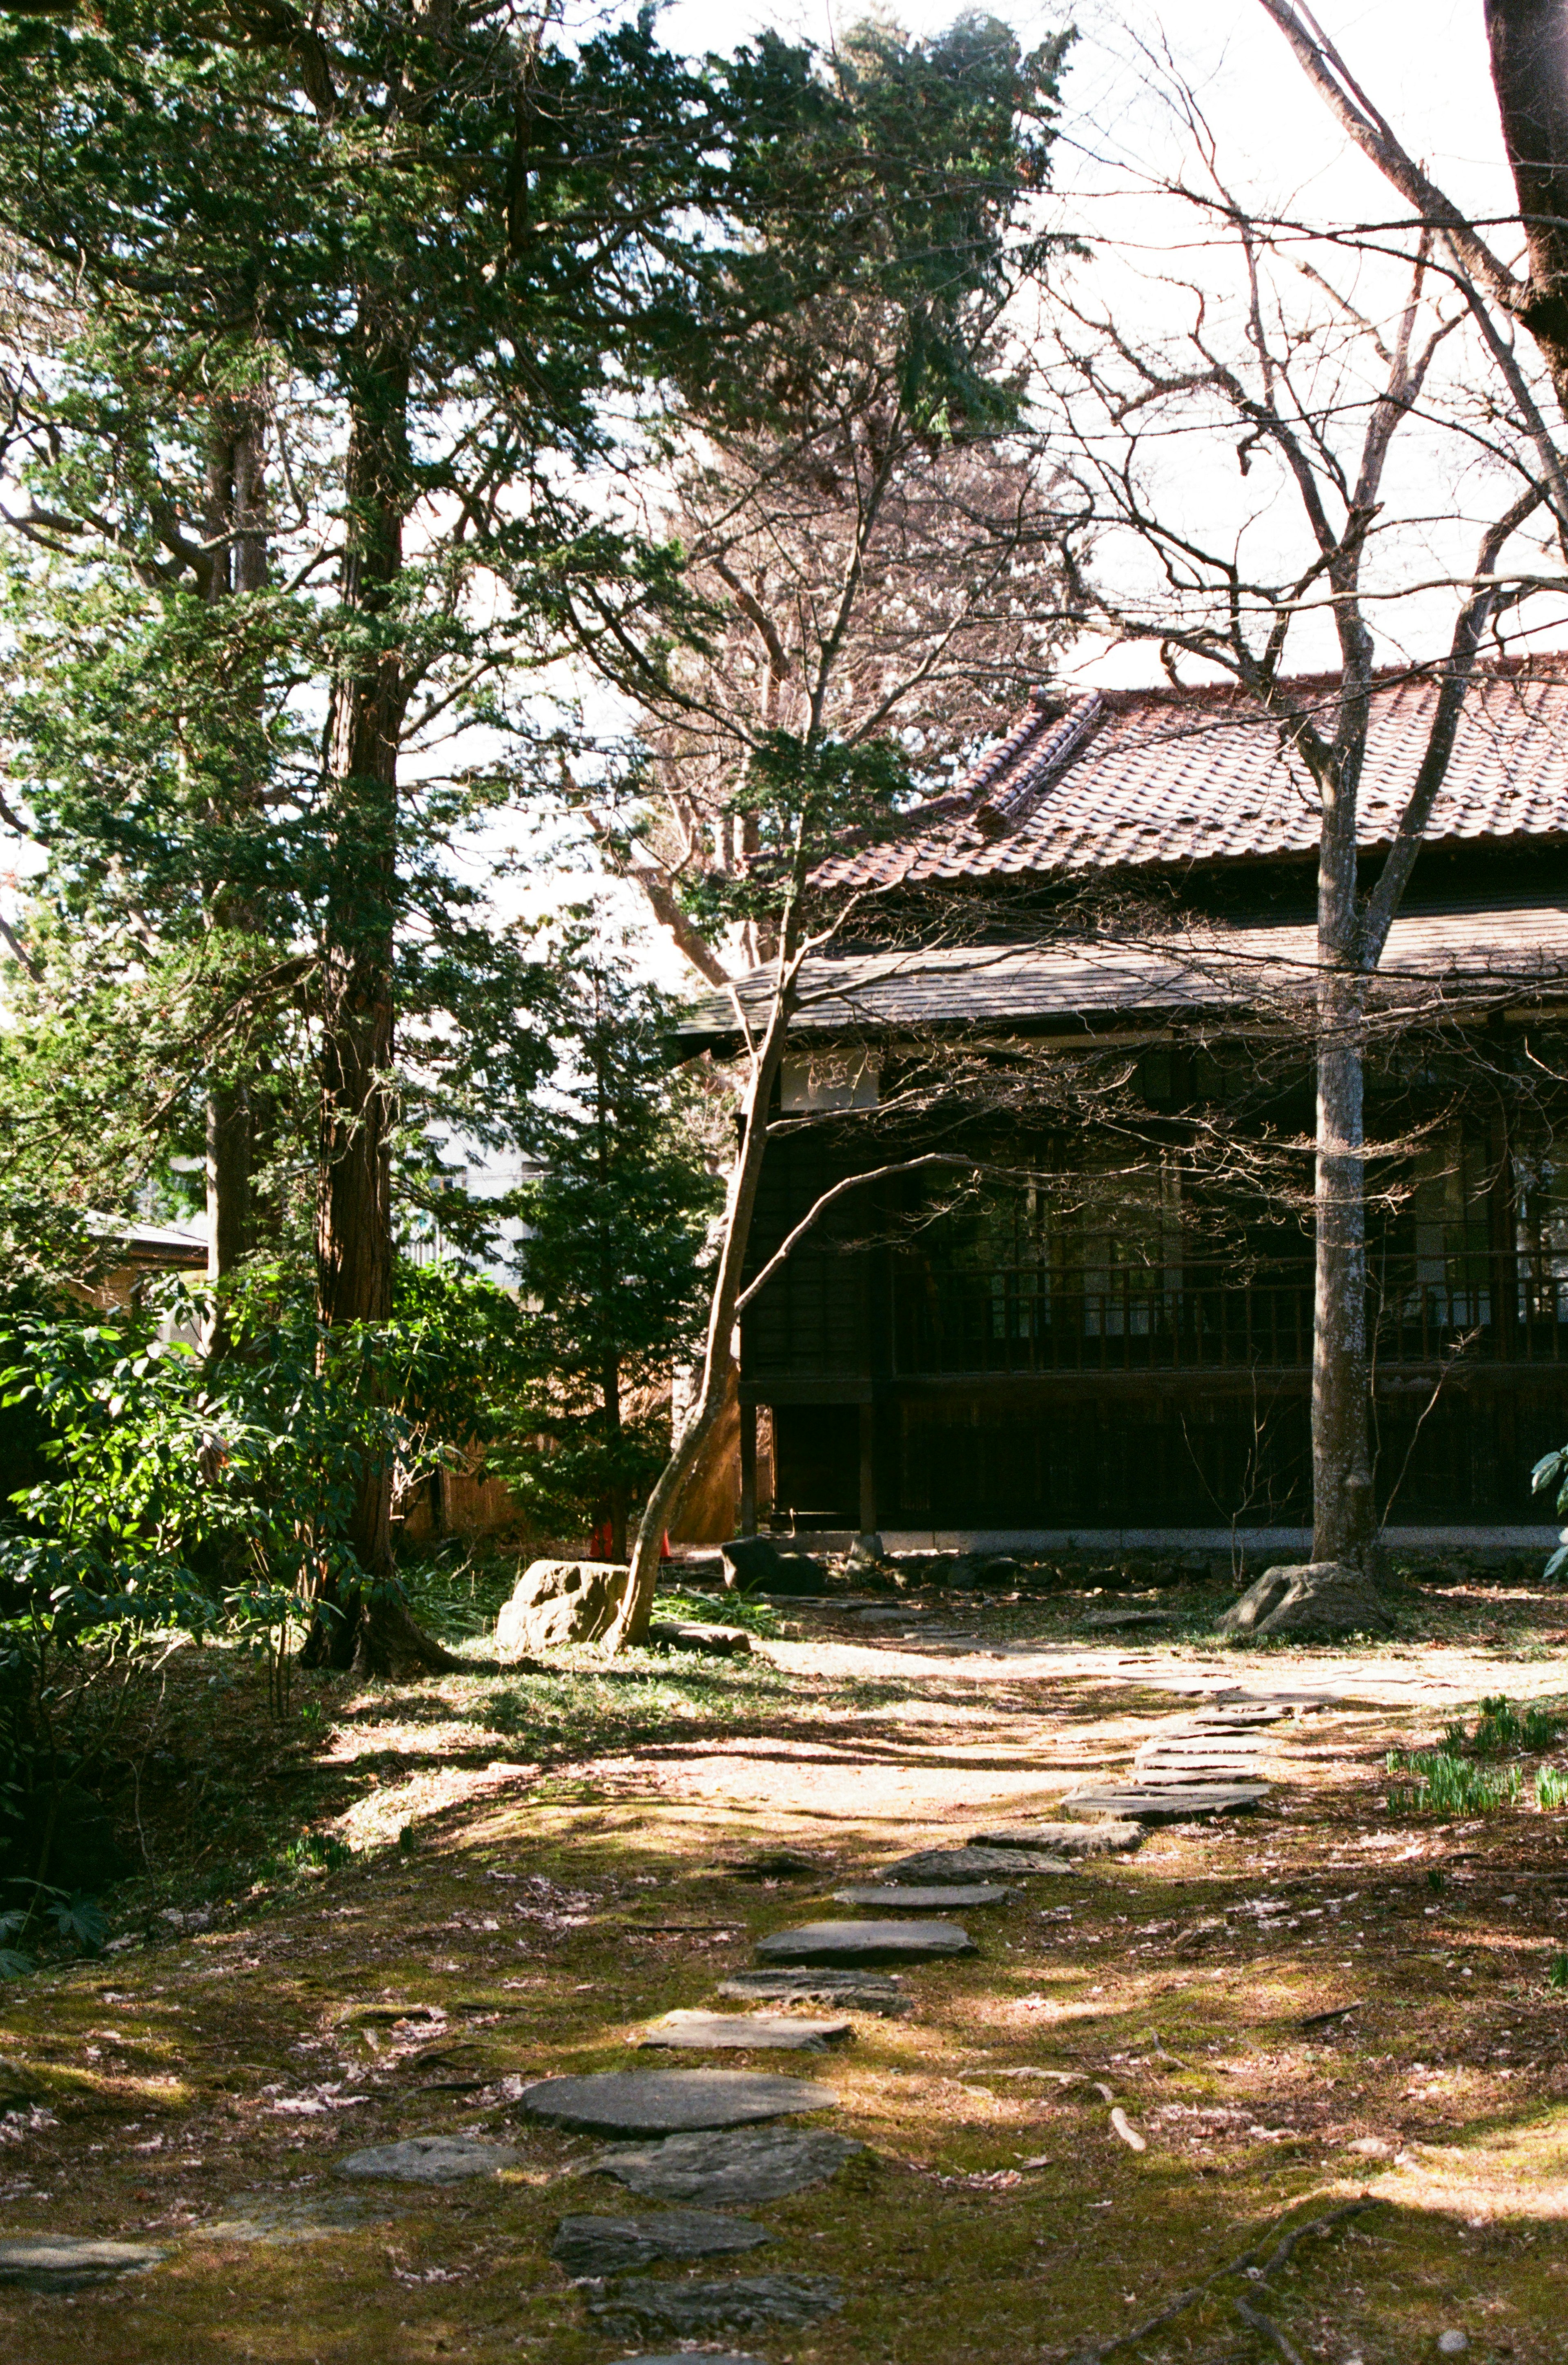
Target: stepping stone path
(598,2246)
(1203,1765)
(428,2160)
(866,1942)
(901,1899)
(745,2165)
(711,2031)
(873,1991)
(671,2102)
(752,2302)
(972,1864)
(62,2262)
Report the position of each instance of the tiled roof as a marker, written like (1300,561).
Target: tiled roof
(1131,778)
(1433,959)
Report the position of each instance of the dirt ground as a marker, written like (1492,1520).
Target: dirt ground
(518,1879)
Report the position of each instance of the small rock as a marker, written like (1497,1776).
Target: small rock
(559,1601)
(619,2245)
(897,1898)
(1453,2343)
(741,2166)
(748,2303)
(428,2160)
(660,2101)
(865,1551)
(707,2032)
(755,1565)
(65,2262)
(866,1942)
(872,1991)
(1113,1621)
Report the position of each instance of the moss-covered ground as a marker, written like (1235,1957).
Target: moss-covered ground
(381,1914)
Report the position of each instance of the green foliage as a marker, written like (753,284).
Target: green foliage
(1551,1787)
(1503,1730)
(1557,1973)
(611,1265)
(1443,1784)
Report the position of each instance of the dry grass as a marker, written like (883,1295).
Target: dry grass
(205,2070)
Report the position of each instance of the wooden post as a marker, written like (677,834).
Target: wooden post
(748,1469)
(868,1470)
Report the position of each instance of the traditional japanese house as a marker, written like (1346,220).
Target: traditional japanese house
(1123,893)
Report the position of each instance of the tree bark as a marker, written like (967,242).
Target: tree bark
(236,531)
(369,1629)
(1528,41)
(632,1624)
(1343,1514)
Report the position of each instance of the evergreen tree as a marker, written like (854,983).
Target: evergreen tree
(611,1266)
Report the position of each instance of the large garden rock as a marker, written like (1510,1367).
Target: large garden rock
(559,1601)
(1317,1598)
(755,1565)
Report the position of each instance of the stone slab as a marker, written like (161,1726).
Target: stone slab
(619,2246)
(68,2262)
(872,1991)
(1160,1774)
(972,1864)
(745,2303)
(738,2167)
(284,2222)
(1180,1806)
(428,2160)
(1060,1839)
(683,2357)
(716,1641)
(745,2031)
(866,1942)
(671,2102)
(898,1898)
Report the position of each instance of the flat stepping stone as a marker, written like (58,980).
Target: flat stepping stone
(971,1864)
(902,1899)
(67,2263)
(866,1942)
(1188,1804)
(286,2222)
(717,1642)
(619,2245)
(746,2303)
(738,2167)
(670,2102)
(428,2160)
(683,2357)
(1060,1839)
(1113,1621)
(767,2031)
(851,1990)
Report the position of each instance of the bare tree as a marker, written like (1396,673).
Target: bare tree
(1343,399)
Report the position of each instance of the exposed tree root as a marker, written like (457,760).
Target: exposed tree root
(1265,2326)
(1277,2257)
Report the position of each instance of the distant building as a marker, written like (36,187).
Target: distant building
(1012,1370)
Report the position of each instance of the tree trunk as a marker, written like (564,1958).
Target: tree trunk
(610,1387)
(369,1629)
(1343,1519)
(1530,73)
(746,1175)
(236,528)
